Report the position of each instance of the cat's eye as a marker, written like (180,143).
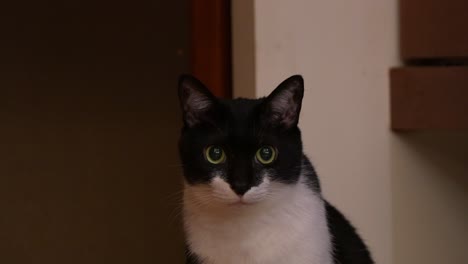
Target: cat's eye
(215,154)
(266,155)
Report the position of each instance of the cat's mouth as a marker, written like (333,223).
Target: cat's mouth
(241,202)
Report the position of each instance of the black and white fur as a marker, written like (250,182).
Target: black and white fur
(241,211)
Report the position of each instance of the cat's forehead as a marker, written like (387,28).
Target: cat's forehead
(242,118)
(242,108)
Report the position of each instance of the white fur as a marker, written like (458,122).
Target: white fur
(272,223)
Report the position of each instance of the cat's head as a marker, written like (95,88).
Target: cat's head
(237,151)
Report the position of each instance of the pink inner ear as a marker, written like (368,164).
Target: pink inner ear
(284,108)
(196,105)
(289,118)
(197,101)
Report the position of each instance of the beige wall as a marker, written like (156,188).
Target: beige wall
(406,194)
(430,197)
(343,49)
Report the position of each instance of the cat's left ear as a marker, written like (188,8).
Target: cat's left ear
(283,106)
(197,102)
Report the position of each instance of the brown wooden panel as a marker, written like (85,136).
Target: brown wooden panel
(429,98)
(434,29)
(89,123)
(211,44)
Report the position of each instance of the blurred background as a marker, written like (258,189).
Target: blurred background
(89,118)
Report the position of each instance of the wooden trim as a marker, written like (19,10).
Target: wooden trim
(429,98)
(243,48)
(210,44)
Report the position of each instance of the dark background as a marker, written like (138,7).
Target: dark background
(89,121)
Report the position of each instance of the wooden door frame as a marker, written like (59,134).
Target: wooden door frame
(210,44)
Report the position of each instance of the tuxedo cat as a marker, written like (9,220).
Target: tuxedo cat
(251,196)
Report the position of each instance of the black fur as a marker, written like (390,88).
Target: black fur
(348,246)
(240,127)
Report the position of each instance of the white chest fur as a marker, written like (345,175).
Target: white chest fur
(287,227)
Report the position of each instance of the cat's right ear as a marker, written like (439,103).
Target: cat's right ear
(283,106)
(197,102)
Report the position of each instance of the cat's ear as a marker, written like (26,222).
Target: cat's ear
(197,102)
(283,106)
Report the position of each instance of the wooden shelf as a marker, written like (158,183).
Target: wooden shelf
(424,98)
(433,29)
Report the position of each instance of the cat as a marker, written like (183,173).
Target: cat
(251,195)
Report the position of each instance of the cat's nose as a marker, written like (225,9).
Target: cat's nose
(240,188)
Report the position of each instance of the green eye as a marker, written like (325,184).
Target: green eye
(266,155)
(215,154)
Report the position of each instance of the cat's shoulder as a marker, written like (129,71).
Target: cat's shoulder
(348,245)
(191,258)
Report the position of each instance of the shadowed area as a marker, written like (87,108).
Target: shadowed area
(89,122)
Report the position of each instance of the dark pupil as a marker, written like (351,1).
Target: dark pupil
(266,153)
(215,153)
